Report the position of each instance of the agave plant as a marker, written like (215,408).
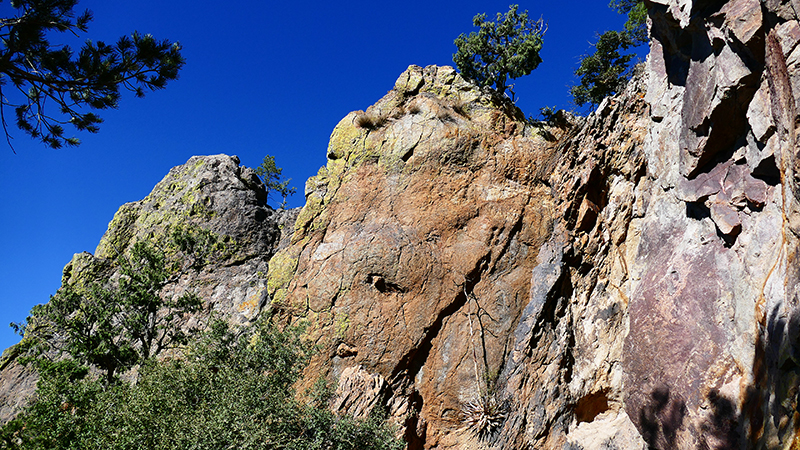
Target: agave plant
(484,415)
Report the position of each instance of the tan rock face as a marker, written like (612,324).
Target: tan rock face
(441,250)
(416,245)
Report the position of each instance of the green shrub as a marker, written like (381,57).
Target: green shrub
(233,389)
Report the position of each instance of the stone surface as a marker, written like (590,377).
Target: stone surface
(211,193)
(415,233)
(444,253)
(627,280)
(712,298)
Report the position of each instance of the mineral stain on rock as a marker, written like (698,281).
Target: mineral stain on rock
(627,280)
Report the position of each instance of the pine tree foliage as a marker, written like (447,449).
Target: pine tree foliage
(607,70)
(50,86)
(508,47)
(636,25)
(114,326)
(270,174)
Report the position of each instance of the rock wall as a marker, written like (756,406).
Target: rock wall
(209,193)
(624,281)
(661,306)
(710,356)
(467,270)
(412,257)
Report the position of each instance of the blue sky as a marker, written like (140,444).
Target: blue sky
(261,78)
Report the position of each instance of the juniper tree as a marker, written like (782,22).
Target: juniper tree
(506,48)
(50,86)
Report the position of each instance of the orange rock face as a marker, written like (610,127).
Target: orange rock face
(412,260)
(416,245)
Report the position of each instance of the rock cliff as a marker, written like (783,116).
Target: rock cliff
(627,280)
(212,195)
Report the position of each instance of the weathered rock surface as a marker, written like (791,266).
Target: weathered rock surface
(454,252)
(415,248)
(624,281)
(211,193)
(713,308)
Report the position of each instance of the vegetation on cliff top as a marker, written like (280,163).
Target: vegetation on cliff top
(270,174)
(506,48)
(607,70)
(510,47)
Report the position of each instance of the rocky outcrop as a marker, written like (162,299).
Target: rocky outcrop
(661,305)
(209,197)
(626,281)
(463,263)
(413,254)
(709,359)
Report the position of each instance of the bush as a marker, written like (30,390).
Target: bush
(233,389)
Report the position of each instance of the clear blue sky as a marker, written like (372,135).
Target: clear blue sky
(261,78)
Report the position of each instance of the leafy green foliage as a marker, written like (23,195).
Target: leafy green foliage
(273,181)
(506,48)
(607,70)
(115,327)
(36,72)
(233,389)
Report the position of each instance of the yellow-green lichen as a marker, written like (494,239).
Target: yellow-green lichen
(345,137)
(120,231)
(341,325)
(282,268)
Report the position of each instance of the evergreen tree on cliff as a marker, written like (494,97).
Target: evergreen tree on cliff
(44,86)
(607,70)
(506,48)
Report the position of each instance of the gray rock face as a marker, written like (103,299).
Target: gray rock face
(211,193)
(713,308)
(624,281)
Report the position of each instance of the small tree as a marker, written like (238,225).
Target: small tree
(115,327)
(506,48)
(42,73)
(273,181)
(607,70)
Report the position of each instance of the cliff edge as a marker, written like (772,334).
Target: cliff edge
(626,280)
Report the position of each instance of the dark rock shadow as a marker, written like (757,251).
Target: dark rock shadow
(769,405)
(661,418)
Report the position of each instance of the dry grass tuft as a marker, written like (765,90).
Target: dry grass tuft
(370,121)
(460,107)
